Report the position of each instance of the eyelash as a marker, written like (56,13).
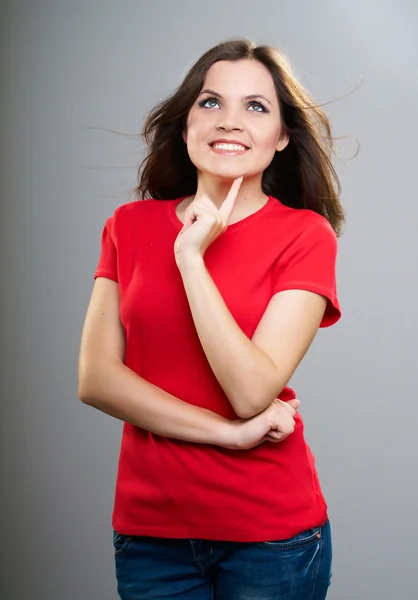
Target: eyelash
(252,102)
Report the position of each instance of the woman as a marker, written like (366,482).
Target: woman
(208,294)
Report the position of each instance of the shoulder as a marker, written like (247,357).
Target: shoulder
(303,225)
(137,218)
(138,213)
(140,208)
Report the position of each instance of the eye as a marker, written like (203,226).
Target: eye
(257,106)
(209,103)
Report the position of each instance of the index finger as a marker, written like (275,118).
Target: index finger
(229,202)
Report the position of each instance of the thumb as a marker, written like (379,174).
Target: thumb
(190,218)
(294,403)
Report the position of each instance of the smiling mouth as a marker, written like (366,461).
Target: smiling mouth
(228,148)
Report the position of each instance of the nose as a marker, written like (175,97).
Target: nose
(229,122)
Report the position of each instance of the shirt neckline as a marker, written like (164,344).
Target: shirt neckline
(266,208)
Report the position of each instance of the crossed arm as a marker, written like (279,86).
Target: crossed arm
(252,372)
(106,383)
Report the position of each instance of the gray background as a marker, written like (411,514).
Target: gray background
(67,66)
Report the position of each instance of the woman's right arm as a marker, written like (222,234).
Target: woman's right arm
(105,383)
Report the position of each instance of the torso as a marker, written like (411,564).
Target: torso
(169,488)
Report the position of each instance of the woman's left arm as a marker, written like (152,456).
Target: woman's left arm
(252,372)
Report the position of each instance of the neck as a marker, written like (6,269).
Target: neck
(250,193)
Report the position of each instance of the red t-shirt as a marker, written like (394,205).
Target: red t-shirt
(175,489)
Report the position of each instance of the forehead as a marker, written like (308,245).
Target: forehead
(240,78)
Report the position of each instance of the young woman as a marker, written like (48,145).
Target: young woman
(208,294)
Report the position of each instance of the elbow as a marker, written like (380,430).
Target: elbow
(255,404)
(85,393)
(87,388)
(247,412)
(93,381)
(252,406)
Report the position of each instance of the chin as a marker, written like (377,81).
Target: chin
(217,168)
(226,175)
(224,172)
(229,172)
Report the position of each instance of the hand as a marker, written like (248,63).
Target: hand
(274,424)
(203,224)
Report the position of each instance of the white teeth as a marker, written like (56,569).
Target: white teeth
(229,147)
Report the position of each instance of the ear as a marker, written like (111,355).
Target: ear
(283,141)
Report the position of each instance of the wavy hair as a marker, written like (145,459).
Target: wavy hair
(300,176)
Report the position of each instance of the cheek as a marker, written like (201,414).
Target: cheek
(200,125)
(193,138)
(194,148)
(197,139)
(195,124)
(268,139)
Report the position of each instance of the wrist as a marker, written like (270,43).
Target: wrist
(226,435)
(189,262)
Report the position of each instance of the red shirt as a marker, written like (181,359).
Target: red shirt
(175,489)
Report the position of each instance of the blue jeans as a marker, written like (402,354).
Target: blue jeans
(151,568)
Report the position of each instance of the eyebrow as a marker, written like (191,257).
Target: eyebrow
(251,97)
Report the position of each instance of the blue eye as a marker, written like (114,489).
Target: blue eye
(258,107)
(254,106)
(208,103)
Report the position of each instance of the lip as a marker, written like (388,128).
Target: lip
(228,152)
(225,141)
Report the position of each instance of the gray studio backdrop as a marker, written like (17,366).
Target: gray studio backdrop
(68,66)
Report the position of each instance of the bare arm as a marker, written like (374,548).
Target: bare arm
(252,372)
(108,385)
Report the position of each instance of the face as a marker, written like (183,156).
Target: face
(234,127)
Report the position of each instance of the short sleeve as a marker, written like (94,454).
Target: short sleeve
(107,266)
(309,263)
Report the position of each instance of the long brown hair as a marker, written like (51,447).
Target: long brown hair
(300,176)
